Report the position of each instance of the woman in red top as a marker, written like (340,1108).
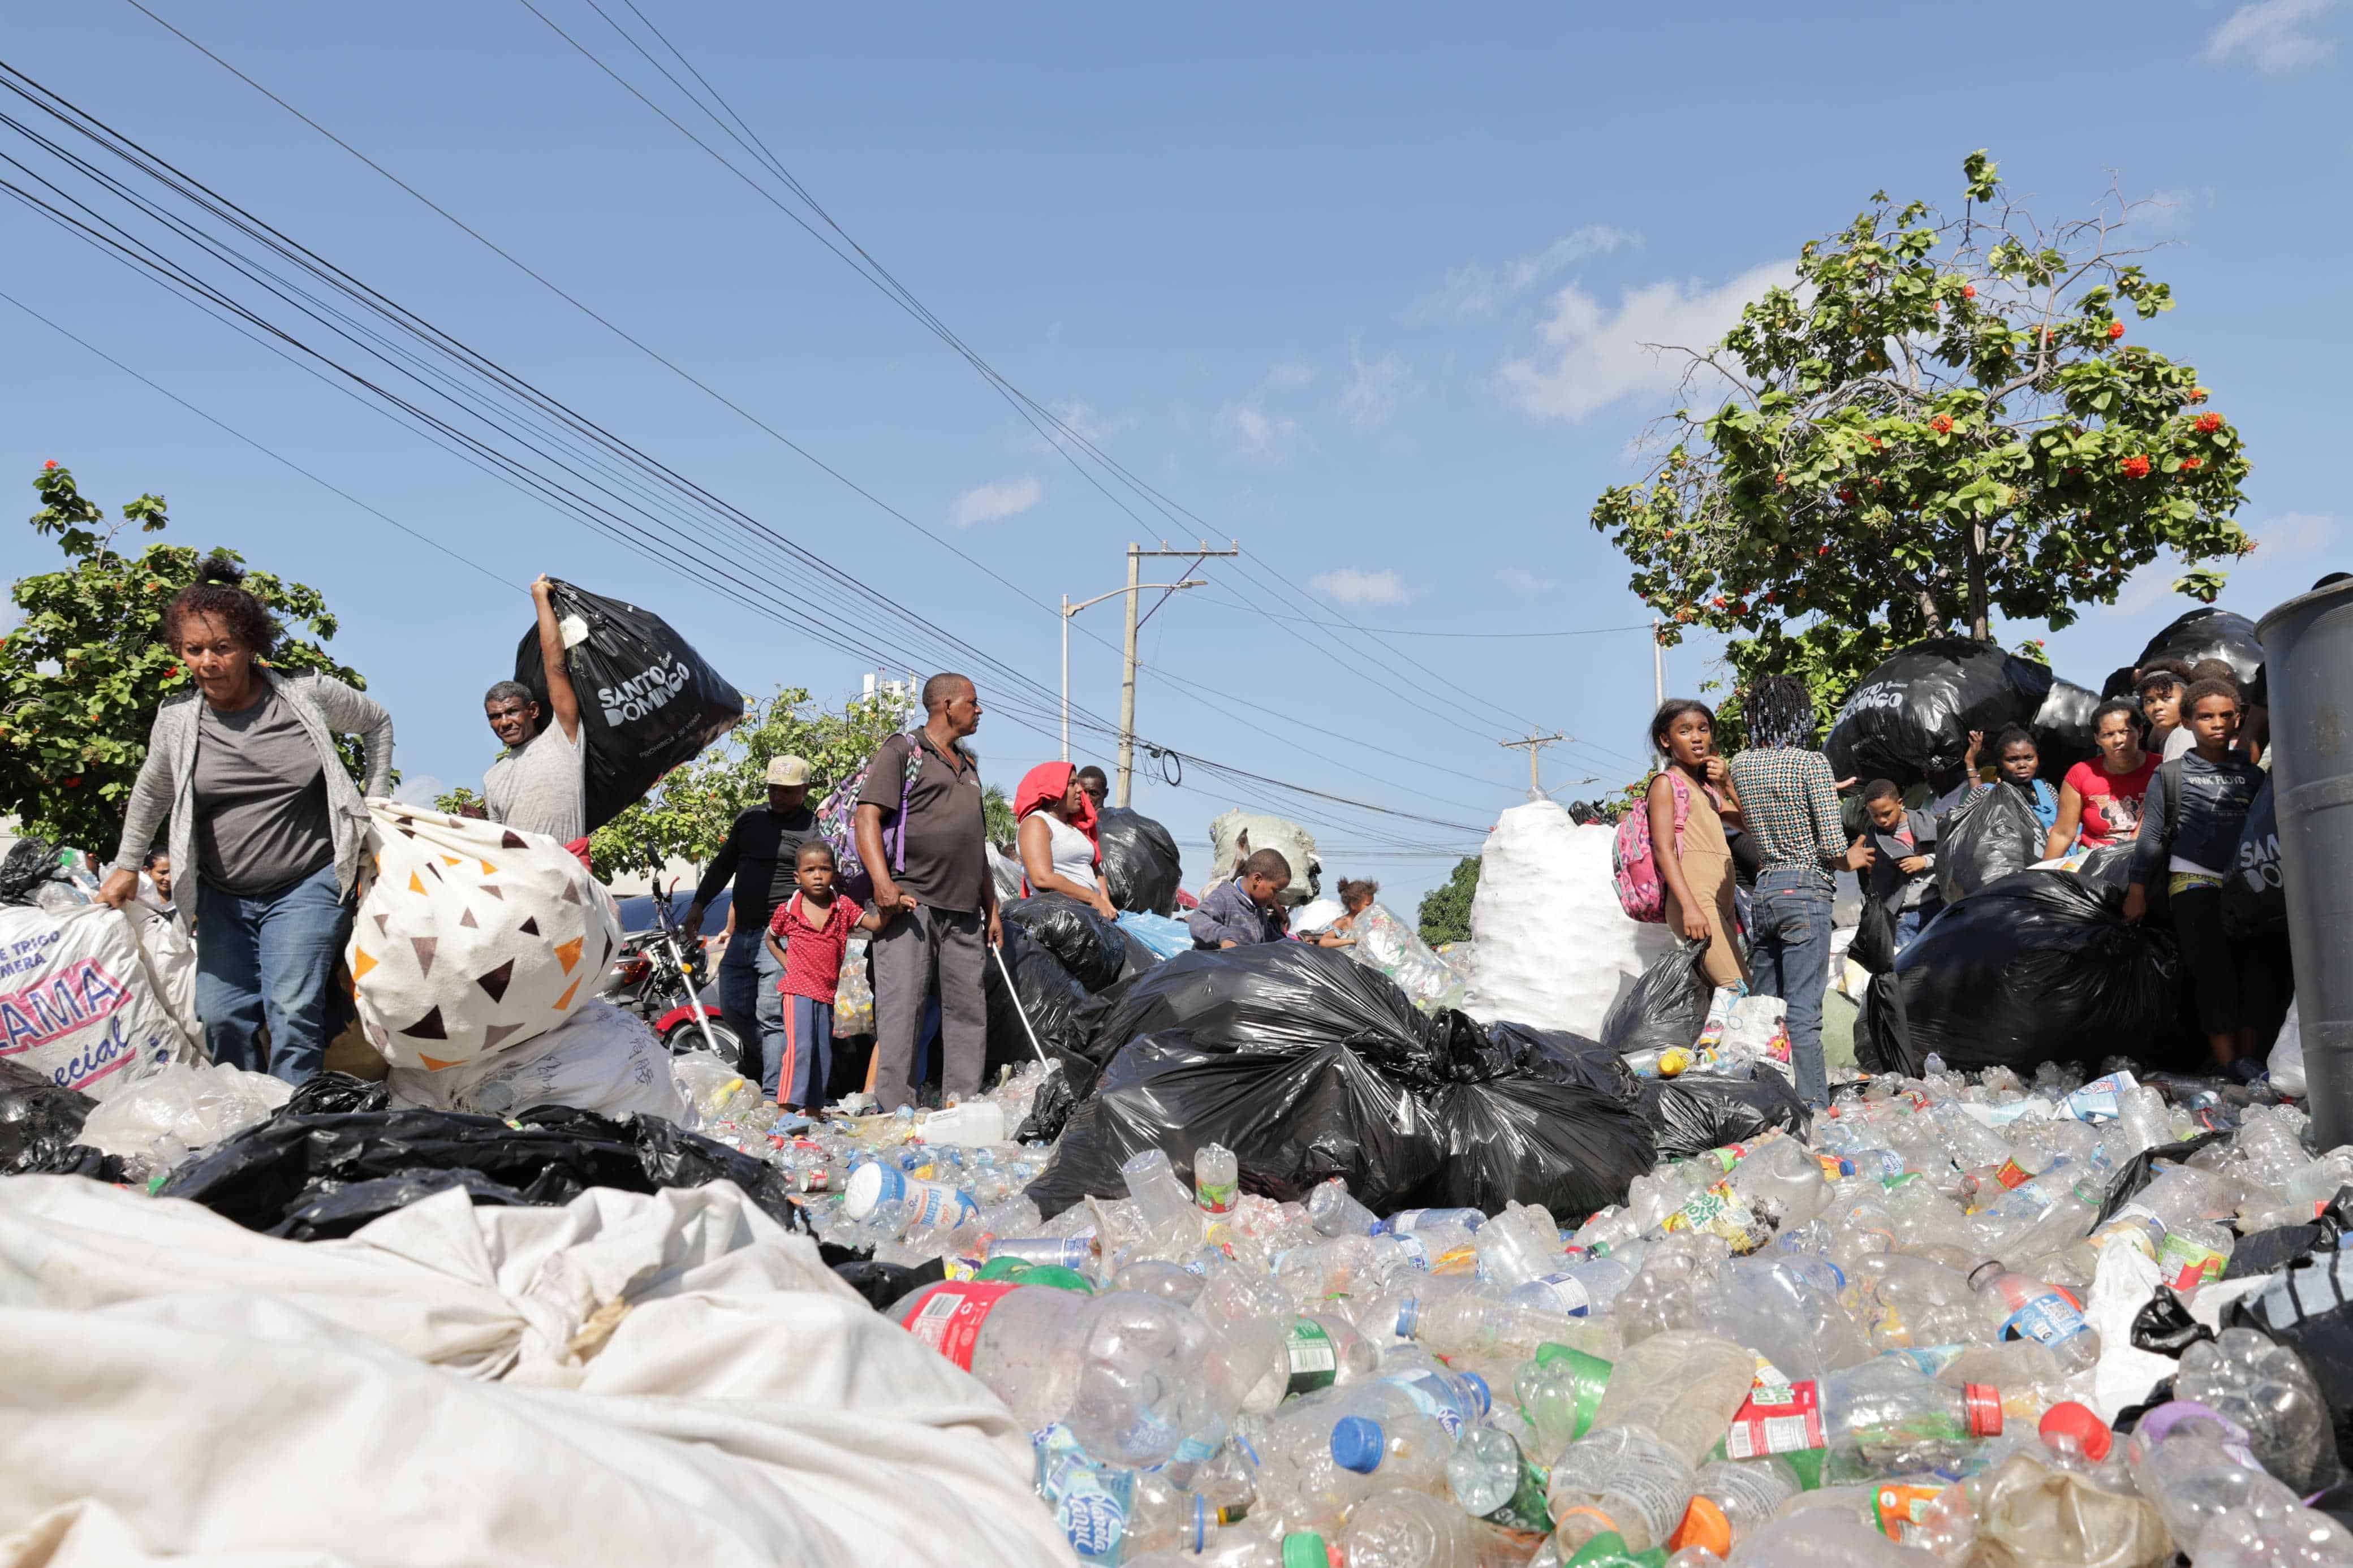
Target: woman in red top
(2102,796)
(815,923)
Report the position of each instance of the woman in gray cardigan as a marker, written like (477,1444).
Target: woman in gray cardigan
(266,827)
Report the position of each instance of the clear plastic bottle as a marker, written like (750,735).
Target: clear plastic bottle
(1782,1182)
(1216,1178)
(1620,1479)
(1405,1221)
(1888,1416)
(2264,1387)
(1474,1323)
(1172,1220)
(1733,1499)
(2021,1307)
(2194,1252)
(1492,1479)
(1518,1245)
(1335,1211)
(1559,1393)
(2193,1463)
(1395,1445)
(1165,1517)
(1582,1288)
(1408,1530)
(1786,1308)
(1682,1388)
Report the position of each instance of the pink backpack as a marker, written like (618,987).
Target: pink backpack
(1633,858)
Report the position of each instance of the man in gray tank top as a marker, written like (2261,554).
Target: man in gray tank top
(539,784)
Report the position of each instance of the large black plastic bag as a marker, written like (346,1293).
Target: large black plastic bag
(1277,996)
(2308,1307)
(1873,947)
(1557,1056)
(647,700)
(1910,719)
(1050,998)
(2254,902)
(1696,1113)
(1294,1117)
(2213,634)
(282,1177)
(40,1126)
(1091,947)
(1570,1147)
(1666,1007)
(1993,833)
(1141,866)
(2039,966)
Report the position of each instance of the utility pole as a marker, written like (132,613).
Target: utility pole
(1658,682)
(1135,558)
(1534,744)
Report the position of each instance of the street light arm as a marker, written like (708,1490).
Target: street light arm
(1118,592)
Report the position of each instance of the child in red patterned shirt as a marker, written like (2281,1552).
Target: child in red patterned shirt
(815,925)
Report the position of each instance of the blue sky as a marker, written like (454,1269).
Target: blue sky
(1363,286)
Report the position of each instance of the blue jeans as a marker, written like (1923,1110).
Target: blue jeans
(738,989)
(1910,923)
(1790,957)
(801,1059)
(268,959)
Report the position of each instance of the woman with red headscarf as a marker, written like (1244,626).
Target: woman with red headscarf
(1056,837)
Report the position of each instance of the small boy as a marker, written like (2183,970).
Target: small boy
(815,923)
(2190,821)
(1248,909)
(1903,864)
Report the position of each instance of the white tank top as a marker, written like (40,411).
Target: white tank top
(1074,851)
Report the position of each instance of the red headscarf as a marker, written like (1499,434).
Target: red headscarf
(1044,786)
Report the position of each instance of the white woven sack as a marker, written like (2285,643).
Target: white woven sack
(81,1001)
(470,937)
(602,1059)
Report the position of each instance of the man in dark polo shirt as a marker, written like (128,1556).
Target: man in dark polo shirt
(932,885)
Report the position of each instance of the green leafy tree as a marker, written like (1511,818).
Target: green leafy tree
(85,671)
(687,816)
(997,816)
(1945,419)
(1445,911)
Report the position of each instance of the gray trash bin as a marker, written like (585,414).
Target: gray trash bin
(2309,654)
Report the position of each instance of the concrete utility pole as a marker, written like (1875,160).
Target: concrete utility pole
(1534,744)
(1135,558)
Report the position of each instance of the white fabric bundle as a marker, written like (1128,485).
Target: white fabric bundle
(600,1059)
(1237,834)
(1555,948)
(471,937)
(83,1000)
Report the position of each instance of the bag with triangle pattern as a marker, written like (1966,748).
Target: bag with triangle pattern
(470,937)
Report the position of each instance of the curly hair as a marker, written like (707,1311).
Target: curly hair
(219,592)
(1779,711)
(1352,890)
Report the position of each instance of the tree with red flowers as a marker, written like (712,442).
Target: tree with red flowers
(81,677)
(1944,419)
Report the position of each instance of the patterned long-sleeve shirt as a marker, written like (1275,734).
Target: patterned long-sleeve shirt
(1789,802)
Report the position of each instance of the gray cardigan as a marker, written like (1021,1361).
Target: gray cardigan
(325,708)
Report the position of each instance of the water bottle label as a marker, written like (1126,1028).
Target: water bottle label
(1406,1221)
(2186,1265)
(2101,1098)
(1315,1361)
(1090,1500)
(1775,1421)
(1413,1251)
(1442,1411)
(1216,1197)
(2047,1319)
(951,1314)
(1563,1293)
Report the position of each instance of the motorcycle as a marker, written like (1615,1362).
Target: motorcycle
(660,975)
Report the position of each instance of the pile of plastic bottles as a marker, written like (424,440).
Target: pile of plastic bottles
(1791,1354)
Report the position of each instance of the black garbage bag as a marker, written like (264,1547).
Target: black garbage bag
(2141,1170)
(2308,1307)
(1141,866)
(29,863)
(329,1211)
(277,1177)
(2039,966)
(1139,957)
(1293,1117)
(1874,946)
(1910,719)
(40,1126)
(1666,1007)
(2210,633)
(1277,996)
(1042,990)
(647,700)
(1990,834)
(1570,1147)
(2254,900)
(1092,948)
(1559,1056)
(1696,1113)
(2063,728)
(327,1093)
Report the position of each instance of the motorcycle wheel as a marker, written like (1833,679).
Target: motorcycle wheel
(687,1036)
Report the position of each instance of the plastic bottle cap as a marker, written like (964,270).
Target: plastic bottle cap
(2078,1426)
(1357,1444)
(1302,1550)
(1982,1403)
(1703,1525)
(1480,1392)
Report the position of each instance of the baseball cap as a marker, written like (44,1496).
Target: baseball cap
(788,770)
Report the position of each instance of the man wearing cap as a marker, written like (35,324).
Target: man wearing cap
(762,844)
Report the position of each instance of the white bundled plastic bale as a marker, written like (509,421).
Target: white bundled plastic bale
(1555,948)
(2286,1064)
(1004,873)
(470,937)
(82,1000)
(1386,944)
(601,1060)
(1240,834)
(1308,920)
(160,1120)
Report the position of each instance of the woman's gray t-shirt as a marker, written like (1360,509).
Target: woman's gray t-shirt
(261,798)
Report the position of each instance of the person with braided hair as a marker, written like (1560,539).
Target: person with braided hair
(1789,802)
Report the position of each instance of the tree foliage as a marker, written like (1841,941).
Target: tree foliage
(84,673)
(1445,911)
(1945,420)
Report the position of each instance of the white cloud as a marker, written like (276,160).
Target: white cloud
(1082,421)
(2293,537)
(1523,584)
(1588,358)
(996,500)
(419,789)
(1289,376)
(1254,435)
(2276,37)
(2145,589)
(1481,290)
(1375,389)
(1347,585)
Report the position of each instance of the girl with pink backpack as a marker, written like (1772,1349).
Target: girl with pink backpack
(1672,860)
